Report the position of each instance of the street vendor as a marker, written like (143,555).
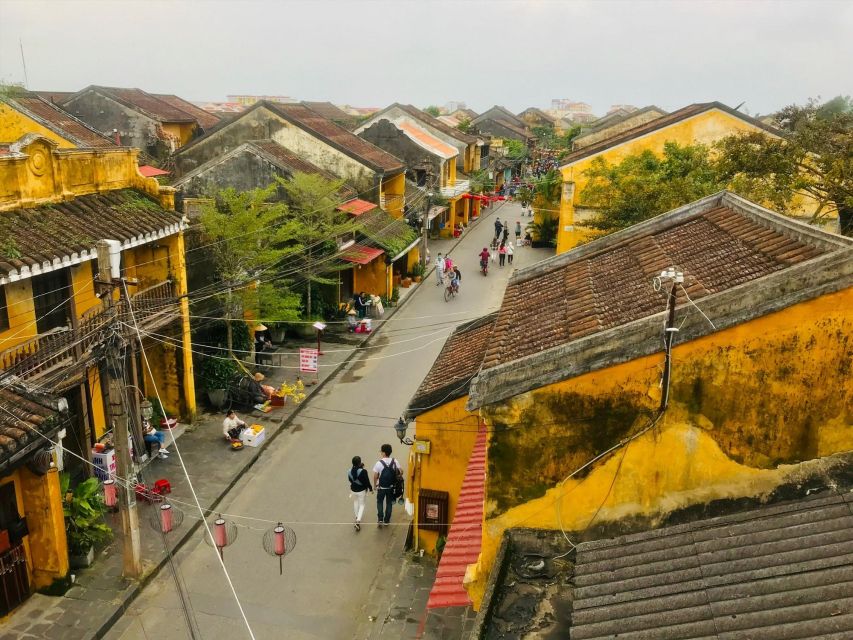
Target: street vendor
(263,342)
(232,426)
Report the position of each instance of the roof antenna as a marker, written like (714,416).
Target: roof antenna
(24,63)
(737,108)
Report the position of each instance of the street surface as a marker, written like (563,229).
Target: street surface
(301,480)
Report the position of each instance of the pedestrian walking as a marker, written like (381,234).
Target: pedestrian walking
(439,271)
(517,231)
(498,228)
(505,233)
(509,253)
(385,474)
(502,254)
(359,485)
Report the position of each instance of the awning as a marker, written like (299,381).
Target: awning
(434,212)
(356,207)
(151,172)
(475,196)
(405,251)
(28,422)
(361,254)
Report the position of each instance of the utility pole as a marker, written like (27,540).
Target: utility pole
(676,277)
(425,223)
(109,276)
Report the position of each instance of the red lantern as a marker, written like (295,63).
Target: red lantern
(165,518)
(223,532)
(110,494)
(279,541)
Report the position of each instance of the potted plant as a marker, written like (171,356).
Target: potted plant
(83,508)
(215,374)
(418,272)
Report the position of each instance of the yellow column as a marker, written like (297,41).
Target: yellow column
(188,382)
(43,508)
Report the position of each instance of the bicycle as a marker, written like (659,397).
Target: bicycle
(450,291)
(484,267)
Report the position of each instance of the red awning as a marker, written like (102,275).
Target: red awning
(356,207)
(360,254)
(475,196)
(151,172)
(465,539)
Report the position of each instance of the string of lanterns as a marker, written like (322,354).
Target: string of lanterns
(278,541)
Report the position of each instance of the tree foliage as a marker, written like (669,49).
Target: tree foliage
(813,159)
(480,182)
(644,185)
(464,125)
(516,150)
(433,110)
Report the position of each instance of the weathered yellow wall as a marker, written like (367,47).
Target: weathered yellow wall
(21,313)
(48,546)
(183,133)
(15,477)
(372,278)
(770,392)
(96,393)
(14,125)
(705,128)
(451,431)
(394,192)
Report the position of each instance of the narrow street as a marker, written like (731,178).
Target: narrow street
(301,480)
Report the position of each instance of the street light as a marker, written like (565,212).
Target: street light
(400,428)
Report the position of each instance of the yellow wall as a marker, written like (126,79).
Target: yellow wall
(746,404)
(14,125)
(372,278)
(451,431)
(182,133)
(47,543)
(705,128)
(394,192)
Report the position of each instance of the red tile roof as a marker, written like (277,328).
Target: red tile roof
(720,242)
(144,102)
(56,97)
(361,254)
(465,540)
(667,120)
(356,206)
(206,119)
(58,120)
(424,139)
(338,137)
(27,420)
(333,113)
(458,362)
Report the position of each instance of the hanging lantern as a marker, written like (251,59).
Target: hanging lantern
(279,541)
(224,533)
(166,519)
(110,494)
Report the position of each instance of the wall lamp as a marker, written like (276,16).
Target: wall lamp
(400,428)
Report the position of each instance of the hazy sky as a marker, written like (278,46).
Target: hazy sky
(518,54)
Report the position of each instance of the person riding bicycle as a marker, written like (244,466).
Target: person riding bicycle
(455,279)
(484,257)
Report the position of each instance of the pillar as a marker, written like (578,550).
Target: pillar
(47,542)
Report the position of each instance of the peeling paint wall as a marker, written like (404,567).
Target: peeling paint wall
(748,405)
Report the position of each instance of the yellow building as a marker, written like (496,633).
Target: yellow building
(571,393)
(55,205)
(704,123)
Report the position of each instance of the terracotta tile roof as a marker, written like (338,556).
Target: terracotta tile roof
(361,254)
(58,120)
(393,235)
(206,119)
(502,114)
(292,163)
(465,540)
(56,97)
(333,113)
(781,571)
(338,137)
(53,235)
(459,361)
(151,172)
(428,141)
(539,113)
(720,242)
(144,102)
(23,416)
(612,119)
(357,206)
(427,119)
(675,117)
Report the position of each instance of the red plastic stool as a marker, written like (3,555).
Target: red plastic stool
(162,487)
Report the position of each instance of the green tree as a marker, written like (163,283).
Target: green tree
(480,182)
(314,209)
(814,158)
(433,110)
(644,185)
(464,125)
(516,150)
(249,237)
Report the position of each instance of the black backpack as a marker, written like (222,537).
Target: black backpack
(353,477)
(388,476)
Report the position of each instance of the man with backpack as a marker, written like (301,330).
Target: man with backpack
(387,476)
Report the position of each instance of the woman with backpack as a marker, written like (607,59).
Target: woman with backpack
(359,485)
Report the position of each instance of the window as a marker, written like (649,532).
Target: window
(51,300)
(4,311)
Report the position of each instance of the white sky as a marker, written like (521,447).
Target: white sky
(517,54)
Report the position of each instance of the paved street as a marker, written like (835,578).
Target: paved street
(300,480)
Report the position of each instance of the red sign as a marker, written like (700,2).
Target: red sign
(308,360)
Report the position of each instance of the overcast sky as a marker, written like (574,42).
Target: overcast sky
(517,54)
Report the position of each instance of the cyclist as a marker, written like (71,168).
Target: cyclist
(484,259)
(455,279)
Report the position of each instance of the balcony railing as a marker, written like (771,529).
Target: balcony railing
(64,346)
(461,186)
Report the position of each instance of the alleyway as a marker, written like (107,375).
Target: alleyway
(301,481)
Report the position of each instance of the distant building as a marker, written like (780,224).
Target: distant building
(249,100)
(627,108)
(453,105)
(221,108)
(578,112)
